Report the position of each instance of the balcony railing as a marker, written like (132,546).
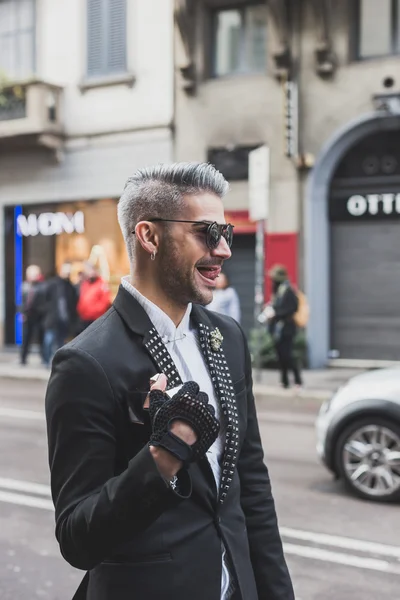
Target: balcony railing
(12,103)
(31,111)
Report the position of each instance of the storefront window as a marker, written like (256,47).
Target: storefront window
(50,235)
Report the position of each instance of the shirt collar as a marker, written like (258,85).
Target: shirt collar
(164,325)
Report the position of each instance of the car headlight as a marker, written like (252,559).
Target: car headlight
(325,407)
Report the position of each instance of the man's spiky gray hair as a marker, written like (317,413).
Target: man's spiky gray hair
(159,191)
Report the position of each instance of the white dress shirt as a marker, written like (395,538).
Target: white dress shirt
(183,346)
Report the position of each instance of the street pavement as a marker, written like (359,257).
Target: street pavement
(337,547)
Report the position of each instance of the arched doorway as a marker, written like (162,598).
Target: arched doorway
(364,215)
(318,232)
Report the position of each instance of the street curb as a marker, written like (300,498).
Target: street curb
(264,392)
(25,373)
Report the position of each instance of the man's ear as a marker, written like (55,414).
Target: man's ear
(147,236)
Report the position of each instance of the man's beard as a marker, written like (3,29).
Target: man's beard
(177,277)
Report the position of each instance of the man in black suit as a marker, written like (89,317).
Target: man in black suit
(282,325)
(164,495)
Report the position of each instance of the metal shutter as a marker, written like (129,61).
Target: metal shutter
(106,44)
(365,290)
(241,272)
(116,58)
(96,35)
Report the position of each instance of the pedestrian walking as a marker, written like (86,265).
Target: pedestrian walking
(164,495)
(81,277)
(33,310)
(61,315)
(225,299)
(94,297)
(282,326)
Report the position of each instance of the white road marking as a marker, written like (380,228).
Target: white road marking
(325,539)
(18,413)
(17,485)
(42,500)
(24,500)
(349,560)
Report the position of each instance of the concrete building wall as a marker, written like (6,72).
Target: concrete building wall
(248,109)
(239,110)
(329,104)
(61,58)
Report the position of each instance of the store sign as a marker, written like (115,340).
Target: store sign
(365,207)
(50,223)
(374,204)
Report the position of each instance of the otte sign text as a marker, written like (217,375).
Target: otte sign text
(374,204)
(365,207)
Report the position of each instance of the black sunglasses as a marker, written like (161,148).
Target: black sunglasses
(214,231)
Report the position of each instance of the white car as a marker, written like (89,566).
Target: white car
(358,433)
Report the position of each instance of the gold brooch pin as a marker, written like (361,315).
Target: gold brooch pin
(216,339)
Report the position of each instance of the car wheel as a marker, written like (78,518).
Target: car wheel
(368,459)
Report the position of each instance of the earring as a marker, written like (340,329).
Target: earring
(153,255)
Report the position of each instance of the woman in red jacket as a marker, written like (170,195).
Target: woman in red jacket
(94,297)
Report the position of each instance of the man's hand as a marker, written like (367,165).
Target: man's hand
(184,425)
(167,463)
(179,428)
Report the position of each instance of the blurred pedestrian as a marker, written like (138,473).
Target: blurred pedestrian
(280,314)
(94,297)
(81,277)
(151,495)
(33,310)
(225,299)
(61,315)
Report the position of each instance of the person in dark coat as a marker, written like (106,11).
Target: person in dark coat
(61,315)
(281,324)
(33,310)
(164,495)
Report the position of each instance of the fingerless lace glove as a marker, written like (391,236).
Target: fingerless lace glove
(190,405)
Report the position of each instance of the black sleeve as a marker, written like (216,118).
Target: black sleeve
(269,565)
(288,305)
(96,510)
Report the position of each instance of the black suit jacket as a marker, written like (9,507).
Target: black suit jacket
(286,304)
(115,514)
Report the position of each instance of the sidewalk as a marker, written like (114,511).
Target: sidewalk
(318,385)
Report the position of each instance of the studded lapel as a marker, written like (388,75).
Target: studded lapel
(222,382)
(138,321)
(154,344)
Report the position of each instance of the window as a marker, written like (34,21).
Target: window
(379,28)
(233,163)
(106,37)
(239,40)
(17,38)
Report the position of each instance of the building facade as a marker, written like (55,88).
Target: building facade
(86,97)
(318,82)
